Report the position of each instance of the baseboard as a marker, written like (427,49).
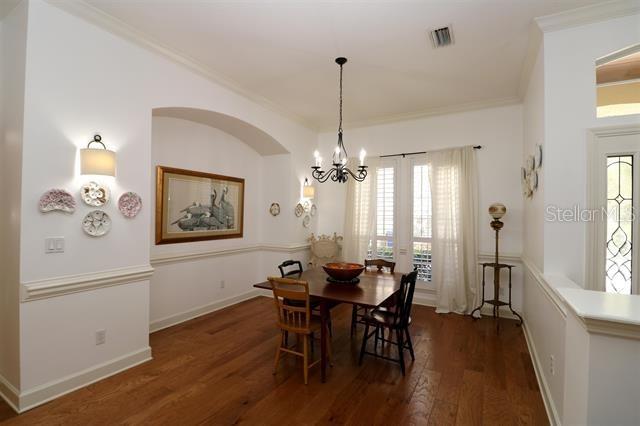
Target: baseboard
(45,393)
(552,412)
(428,298)
(9,393)
(175,319)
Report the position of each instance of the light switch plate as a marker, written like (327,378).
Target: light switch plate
(54,245)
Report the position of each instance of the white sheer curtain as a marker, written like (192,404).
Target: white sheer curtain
(360,213)
(453,182)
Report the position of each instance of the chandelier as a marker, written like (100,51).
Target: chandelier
(339,172)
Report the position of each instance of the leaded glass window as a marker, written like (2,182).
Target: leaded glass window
(618,265)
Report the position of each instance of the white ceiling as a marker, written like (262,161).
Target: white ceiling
(284,50)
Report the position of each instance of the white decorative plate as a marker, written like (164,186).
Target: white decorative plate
(306,221)
(538,157)
(96,223)
(94,194)
(531,163)
(313,210)
(299,210)
(130,204)
(274,209)
(57,199)
(307,206)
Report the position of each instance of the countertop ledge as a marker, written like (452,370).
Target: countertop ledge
(598,305)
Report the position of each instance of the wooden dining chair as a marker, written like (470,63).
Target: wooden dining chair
(358,311)
(295,319)
(396,320)
(293,269)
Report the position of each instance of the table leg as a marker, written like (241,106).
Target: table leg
(323,339)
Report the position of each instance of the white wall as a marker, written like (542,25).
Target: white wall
(559,107)
(184,286)
(533,134)
(570,109)
(498,130)
(82,79)
(13,32)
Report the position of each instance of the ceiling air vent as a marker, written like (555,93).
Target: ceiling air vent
(441,37)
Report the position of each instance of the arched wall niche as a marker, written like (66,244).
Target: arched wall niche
(263,143)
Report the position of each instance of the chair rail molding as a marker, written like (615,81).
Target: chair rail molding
(186,257)
(59,286)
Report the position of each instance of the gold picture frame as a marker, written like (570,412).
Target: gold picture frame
(197,206)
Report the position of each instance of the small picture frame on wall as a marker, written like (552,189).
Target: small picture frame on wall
(197,206)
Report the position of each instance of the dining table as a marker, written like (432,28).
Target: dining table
(373,290)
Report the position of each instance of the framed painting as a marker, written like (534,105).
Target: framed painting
(197,206)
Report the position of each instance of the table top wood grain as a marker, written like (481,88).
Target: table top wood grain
(372,290)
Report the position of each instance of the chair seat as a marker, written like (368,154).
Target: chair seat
(381,316)
(301,303)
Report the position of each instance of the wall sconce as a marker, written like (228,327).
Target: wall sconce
(308,191)
(97,161)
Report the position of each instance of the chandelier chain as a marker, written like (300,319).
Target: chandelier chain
(340,103)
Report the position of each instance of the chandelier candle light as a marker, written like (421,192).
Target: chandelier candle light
(339,172)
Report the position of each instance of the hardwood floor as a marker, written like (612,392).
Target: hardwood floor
(217,369)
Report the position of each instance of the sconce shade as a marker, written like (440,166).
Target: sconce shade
(97,161)
(308,192)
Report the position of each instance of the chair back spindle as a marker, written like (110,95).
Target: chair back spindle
(405,298)
(296,317)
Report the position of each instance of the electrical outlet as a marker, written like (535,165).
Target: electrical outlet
(552,365)
(101,337)
(54,245)
(222,283)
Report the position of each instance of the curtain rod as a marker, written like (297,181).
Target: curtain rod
(404,154)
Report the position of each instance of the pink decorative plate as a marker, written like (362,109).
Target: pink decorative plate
(57,199)
(130,204)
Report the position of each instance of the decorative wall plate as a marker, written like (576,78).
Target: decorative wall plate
(274,209)
(538,156)
(299,210)
(531,163)
(307,206)
(313,210)
(57,199)
(94,194)
(130,204)
(96,223)
(306,221)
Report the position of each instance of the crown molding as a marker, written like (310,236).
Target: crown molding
(588,15)
(449,109)
(59,286)
(93,15)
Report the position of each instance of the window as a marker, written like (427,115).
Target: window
(385,205)
(617,84)
(613,229)
(421,223)
(619,226)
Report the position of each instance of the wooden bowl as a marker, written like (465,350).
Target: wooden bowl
(342,271)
